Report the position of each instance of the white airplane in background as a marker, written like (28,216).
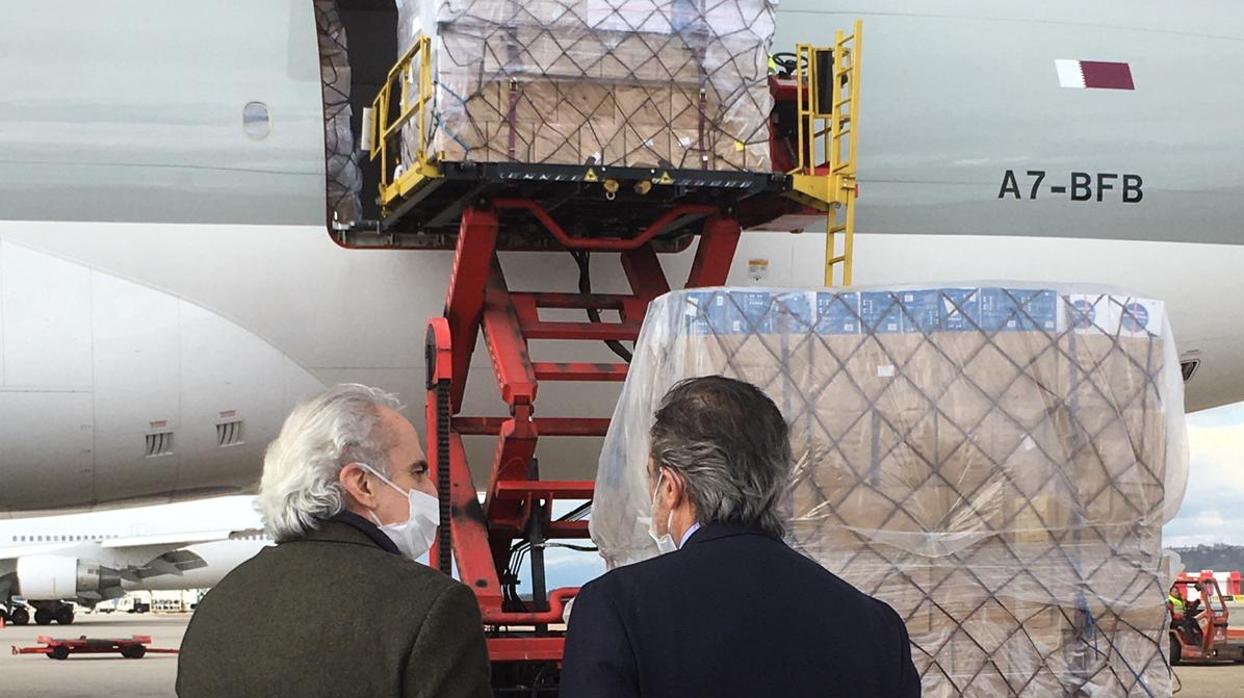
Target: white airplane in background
(96,556)
(169,286)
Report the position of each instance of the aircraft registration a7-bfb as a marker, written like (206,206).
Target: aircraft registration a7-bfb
(170,285)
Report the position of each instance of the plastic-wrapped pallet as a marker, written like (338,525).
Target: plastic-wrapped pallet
(345,179)
(638,83)
(996,463)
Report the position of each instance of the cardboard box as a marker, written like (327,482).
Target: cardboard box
(555,143)
(571,68)
(965,455)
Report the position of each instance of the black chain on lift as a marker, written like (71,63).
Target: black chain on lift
(444,544)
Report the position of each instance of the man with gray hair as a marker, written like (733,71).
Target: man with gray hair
(340,607)
(732,611)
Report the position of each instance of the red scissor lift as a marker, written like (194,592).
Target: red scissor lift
(482,209)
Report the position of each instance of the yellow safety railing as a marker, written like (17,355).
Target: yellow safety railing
(824,177)
(402,171)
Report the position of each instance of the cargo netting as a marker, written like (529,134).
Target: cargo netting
(637,83)
(995,462)
(344,178)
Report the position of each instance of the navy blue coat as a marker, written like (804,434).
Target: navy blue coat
(733,613)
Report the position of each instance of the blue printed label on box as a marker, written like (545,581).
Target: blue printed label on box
(959,309)
(696,308)
(1010,309)
(728,312)
(791,313)
(880,312)
(921,310)
(745,312)
(837,313)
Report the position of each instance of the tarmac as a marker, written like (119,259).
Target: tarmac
(94,675)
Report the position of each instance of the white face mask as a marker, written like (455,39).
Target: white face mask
(415,535)
(665,542)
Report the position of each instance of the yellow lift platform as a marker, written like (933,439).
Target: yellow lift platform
(422,196)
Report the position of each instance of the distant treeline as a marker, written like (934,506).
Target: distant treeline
(1219,557)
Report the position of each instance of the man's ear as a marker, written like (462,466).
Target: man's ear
(677,487)
(357,485)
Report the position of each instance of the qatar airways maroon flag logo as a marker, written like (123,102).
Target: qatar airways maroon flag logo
(1101,75)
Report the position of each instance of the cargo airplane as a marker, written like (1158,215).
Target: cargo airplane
(170,284)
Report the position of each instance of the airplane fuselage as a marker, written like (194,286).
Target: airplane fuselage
(169,286)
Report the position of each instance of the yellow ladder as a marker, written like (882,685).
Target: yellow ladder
(400,171)
(825,175)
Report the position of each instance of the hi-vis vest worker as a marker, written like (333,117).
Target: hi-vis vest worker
(1177,604)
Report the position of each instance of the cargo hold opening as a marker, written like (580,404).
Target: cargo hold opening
(357,46)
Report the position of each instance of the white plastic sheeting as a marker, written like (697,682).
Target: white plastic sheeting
(995,461)
(681,83)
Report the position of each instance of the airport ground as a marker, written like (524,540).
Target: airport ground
(93,675)
(89,676)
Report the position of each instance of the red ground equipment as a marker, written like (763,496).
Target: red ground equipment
(56,648)
(1201,632)
(481,209)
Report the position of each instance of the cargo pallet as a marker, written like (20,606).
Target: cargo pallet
(480,209)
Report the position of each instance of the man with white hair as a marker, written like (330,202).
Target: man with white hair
(340,607)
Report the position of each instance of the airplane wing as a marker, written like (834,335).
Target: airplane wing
(177,540)
(140,557)
(134,557)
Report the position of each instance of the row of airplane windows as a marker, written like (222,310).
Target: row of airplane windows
(75,538)
(58,538)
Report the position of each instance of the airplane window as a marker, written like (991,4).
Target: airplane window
(255,121)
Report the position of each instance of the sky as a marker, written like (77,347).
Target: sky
(1213,506)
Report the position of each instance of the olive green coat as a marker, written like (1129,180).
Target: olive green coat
(333,614)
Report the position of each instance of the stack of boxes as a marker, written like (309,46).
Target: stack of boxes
(992,462)
(653,83)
